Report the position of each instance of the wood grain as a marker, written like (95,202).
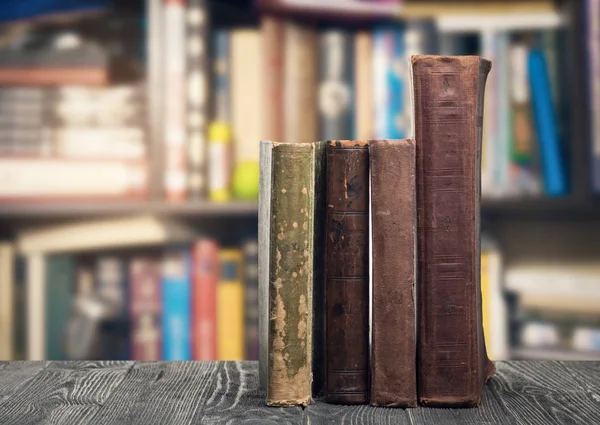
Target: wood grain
(323,413)
(237,399)
(61,395)
(14,375)
(543,393)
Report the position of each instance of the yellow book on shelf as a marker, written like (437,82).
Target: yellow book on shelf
(230,306)
(493,306)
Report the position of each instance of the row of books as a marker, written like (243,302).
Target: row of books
(187,302)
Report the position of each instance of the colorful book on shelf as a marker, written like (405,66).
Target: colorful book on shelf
(364,107)
(452,361)
(176,312)
(592,40)
(206,271)
(145,308)
(60,286)
(552,159)
(250,250)
(230,306)
(7,299)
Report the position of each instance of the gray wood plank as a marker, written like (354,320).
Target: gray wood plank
(91,364)
(235,397)
(587,375)
(543,393)
(60,395)
(323,413)
(13,375)
(159,393)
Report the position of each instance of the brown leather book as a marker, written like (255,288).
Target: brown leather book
(393,362)
(347,276)
(452,361)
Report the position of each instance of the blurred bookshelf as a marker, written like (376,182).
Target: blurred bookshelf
(162,148)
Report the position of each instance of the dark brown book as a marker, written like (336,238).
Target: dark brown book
(452,361)
(393,362)
(347,276)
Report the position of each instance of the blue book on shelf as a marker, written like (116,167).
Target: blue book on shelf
(12,10)
(176,319)
(555,182)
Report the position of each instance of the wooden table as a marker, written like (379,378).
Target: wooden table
(227,393)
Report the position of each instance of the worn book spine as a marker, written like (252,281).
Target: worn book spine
(335,85)
(452,361)
(347,277)
(291,272)
(393,362)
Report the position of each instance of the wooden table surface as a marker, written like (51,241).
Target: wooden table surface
(544,392)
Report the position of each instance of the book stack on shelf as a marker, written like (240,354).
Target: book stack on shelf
(392,206)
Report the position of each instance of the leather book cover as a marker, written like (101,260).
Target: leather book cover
(393,362)
(452,364)
(347,275)
(294,276)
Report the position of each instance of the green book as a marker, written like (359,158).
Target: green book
(291,278)
(60,287)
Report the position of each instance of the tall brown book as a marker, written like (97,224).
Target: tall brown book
(347,276)
(452,361)
(393,362)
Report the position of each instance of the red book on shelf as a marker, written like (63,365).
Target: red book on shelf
(205,275)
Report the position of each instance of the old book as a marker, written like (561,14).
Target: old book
(452,361)
(393,362)
(300,83)
(347,278)
(291,280)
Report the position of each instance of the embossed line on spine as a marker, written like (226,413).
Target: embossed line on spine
(356,278)
(350,213)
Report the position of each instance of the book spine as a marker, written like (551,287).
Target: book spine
(206,272)
(176,316)
(347,277)
(382,40)
(452,361)
(290,274)
(364,114)
(264,232)
(545,122)
(60,286)
(230,306)
(250,250)
(335,85)
(398,121)
(393,363)
(197,95)
(489,150)
(7,312)
(174,101)
(145,309)
(246,94)
(300,83)
(272,34)
(501,93)
(221,76)
(593,72)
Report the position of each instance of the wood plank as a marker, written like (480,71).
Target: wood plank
(587,375)
(235,397)
(491,412)
(159,393)
(542,393)
(60,395)
(91,364)
(13,375)
(322,413)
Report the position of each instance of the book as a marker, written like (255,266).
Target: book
(34,179)
(197,67)
(364,108)
(250,250)
(176,314)
(493,302)
(145,308)
(221,75)
(452,362)
(300,83)
(272,30)
(393,361)
(291,287)
(35,300)
(347,276)
(206,271)
(174,101)
(7,298)
(592,28)
(230,306)
(60,286)
(555,180)
(246,93)
(335,84)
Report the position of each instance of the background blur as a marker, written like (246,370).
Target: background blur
(129,136)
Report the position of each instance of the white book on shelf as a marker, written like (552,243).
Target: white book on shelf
(7,323)
(36,306)
(103,233)
(475,22)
